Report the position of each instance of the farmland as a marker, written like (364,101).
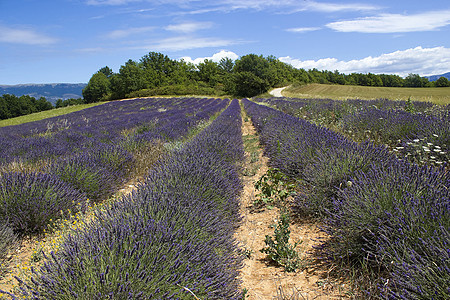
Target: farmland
(44,115)
(373,174)
(343,92)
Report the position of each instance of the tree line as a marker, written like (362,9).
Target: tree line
(12,106)
(250,75)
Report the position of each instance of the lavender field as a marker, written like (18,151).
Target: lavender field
(383,212)
(374,173)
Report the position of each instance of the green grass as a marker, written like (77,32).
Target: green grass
(46,114)
(342,92)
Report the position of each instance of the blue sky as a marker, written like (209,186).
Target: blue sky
(69,40)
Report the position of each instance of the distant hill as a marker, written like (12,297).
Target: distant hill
(436,77)
(51,92)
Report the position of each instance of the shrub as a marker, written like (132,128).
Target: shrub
(278,249)
(113,157)
(331,169)
(386,217)
(87,174)
(274,188)
(174,232)
(396,217)
(176,89)
(8,240)
(130,257)
(30,200)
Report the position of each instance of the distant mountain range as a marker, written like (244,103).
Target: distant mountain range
(51,91)
(436,77)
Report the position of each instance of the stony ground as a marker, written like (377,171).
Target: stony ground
(261,278)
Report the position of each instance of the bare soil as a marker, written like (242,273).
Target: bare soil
(277,92)
(261,279)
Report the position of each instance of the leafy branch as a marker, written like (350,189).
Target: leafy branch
(274,188)
(278,248)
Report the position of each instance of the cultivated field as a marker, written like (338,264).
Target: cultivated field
(343,92)
(45,114)
(172,198)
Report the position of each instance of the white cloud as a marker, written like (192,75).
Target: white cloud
(335,7)
(189,27)
(110,2)
(24,36)
(94,50)
(302,29)
(186,42)
(423,61)
(215,57)
(227,5)
(122,33)
(297,5)
(391,23)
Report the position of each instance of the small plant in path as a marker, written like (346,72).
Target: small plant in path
(274,188)
(278,248)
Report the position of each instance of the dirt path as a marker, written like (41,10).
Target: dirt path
(261,279)
(277,92)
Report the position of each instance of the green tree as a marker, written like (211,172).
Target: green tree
(255,64)
(253,75)
(301,75)
(131,78)
(158,69)
(183,73)
(97,88)
(374,80)
(42,104)
(248,84)
(4,110)
(107,71)
(413,80)
(59,103)
(442,82)
(226,65)
(391,80)
(208,72)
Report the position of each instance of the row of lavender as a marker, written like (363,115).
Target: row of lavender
(171,237)
(419,131)
(92,164)
(119,122)
(381,212)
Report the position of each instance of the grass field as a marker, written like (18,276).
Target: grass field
(342,92)
(46,114)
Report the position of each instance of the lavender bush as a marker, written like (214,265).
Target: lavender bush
(97,173)
(397,216)
(330,113)
(8,240)
(30,200)
(145,119)
(332,168)
(411,129)
(175,232)
(386,215)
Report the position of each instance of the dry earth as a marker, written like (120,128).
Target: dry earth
(260,278)
(277,92)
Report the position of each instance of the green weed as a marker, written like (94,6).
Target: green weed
(278,248)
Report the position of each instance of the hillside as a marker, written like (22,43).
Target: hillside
(51,92)
(436,77)
(342,92)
